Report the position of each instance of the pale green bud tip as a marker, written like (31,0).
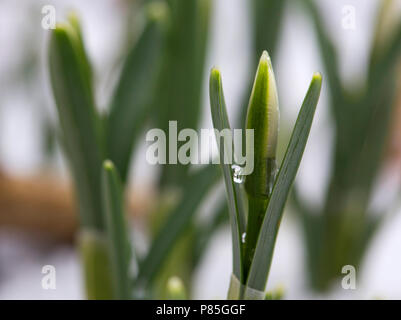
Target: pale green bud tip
(108,165)
(263,110)
(265,58)
(175,284)
(66,30)
(215,73)
(72,26)
(175,288)
(215,77)
(157,11)
(263,117)
(276,294)
(61,27)
(317,76)
(73,18)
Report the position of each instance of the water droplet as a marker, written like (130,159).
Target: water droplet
(243,237)
(238,177)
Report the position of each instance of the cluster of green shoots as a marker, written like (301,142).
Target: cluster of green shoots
(254,231)
(99,147)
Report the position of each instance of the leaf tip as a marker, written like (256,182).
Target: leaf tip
(265,61)
(60,28)
(265,56)
(108,165)
(157,12)
(215,72)
(215,77)
(317,76)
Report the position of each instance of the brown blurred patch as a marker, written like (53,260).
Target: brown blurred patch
(39,205)
(44,205)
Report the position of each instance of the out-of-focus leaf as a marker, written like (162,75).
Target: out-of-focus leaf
(388,59)
(264,250)
(80,123)
(195,189)
(116,226)
(329,57)
(385,30)
(267,17)
(179,89)
(267,20)
(130,106)
(76,25)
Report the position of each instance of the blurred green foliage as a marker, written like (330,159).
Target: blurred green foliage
(340,231)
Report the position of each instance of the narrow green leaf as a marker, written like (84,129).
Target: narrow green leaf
(116,226)
(179,89)
(330,60)
(384,25)
(177,222)
(388,59)
(80,123)
(130,106)
(75,23)
(264,250)
(267,21)
(236,208)
(267,18)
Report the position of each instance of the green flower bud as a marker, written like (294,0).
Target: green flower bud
(263,118)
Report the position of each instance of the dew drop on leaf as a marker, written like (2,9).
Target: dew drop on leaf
(238,177)
(243,237)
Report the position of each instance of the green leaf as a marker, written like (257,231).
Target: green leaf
(177,222)
(267,22)
(388,59)
(75,23)
(385,30)
(236,208)
(264,250)
(179,89)
(267,18)
(81,127)
(116,226)
(330,60)
(130,106)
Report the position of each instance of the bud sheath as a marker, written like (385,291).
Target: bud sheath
(263,118)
